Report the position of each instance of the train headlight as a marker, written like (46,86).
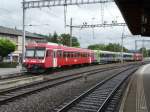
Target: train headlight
(41,61)
(24,61)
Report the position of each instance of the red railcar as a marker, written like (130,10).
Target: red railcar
(137,57)
(42,56)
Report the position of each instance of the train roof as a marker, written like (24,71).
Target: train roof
(106,52)
(110,52)
(58,46)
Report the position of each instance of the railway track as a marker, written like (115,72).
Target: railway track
(102,97)
(23,80)
(21,91)
(12,75)
(24,74)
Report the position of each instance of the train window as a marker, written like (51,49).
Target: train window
(64,54)
(72,54)
(81,54)
(54,54)
(75,54)
(48,53)
(78,54)
(59,53)
(86,55)
(68,54)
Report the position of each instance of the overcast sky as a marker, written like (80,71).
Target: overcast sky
(11,16)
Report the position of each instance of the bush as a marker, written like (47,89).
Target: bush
(8,65)
(6,47)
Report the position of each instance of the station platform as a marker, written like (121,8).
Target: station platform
(137,95)
(7,71)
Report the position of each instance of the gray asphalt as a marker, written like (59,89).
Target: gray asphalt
(146,84)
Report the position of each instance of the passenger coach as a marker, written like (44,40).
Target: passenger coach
(42,56)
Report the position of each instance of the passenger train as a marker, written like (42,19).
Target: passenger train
(42,56)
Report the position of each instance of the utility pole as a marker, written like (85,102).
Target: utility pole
(70,32)
(122,37)
(143,47)
(136,45)
(24,34)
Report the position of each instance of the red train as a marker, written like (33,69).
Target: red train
(42,56)
(137,57)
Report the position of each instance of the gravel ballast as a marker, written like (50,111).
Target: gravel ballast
(50,99)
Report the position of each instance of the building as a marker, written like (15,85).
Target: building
(15,36)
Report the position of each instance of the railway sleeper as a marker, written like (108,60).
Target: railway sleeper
(76,109)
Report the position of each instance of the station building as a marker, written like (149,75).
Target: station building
(15,36)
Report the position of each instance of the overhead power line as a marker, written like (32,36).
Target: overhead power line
(52,3)
(85,25)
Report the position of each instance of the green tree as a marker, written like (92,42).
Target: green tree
(53,38)
(48,38)
(144,51)
(6,47)
(65,40)
(115,47)
(110,47)
(97,47)
(75,42)
(148,51)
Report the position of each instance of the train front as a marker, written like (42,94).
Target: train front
(35,59)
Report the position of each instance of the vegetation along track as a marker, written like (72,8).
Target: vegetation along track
(17,92)
(102,97)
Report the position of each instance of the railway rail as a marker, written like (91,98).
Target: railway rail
(28,78)
(24,74)
(20,91)
(12,75)
(102,97)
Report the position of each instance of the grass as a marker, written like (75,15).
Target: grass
(8,64)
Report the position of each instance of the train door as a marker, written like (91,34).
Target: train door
(59,58)
(91,57)
(54,58)
(48,59)
(98,56)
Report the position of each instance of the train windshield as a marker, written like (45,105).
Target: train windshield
(35,53)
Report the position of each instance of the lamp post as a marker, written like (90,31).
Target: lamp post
(23,35)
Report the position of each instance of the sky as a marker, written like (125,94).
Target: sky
(49,20)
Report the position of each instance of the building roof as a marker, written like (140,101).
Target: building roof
(137,15)
(11,31)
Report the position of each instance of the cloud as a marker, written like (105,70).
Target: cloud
(48,20)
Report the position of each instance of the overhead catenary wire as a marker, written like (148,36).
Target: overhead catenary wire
(102,13)
(65,14)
